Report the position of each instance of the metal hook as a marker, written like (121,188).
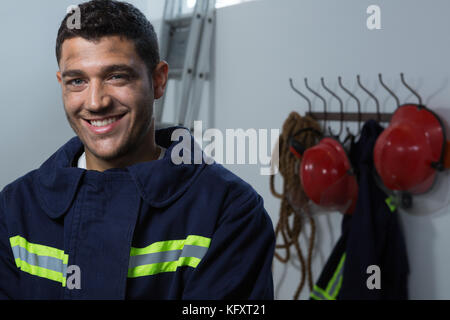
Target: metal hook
(372,96)
(341,108)
(389,90)
(321,98)
(301,94)
(357,102)
(410,89)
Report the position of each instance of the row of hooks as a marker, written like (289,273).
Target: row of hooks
(344,116)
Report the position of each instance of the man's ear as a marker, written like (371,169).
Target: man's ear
(160,77)
(58,76)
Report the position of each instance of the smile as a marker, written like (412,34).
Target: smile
(104,125)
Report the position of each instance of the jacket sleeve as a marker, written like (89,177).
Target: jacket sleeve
(238,262)
(9,274)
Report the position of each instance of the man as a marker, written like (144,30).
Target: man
(109,215)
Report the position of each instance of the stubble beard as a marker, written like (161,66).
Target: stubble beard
(131,143)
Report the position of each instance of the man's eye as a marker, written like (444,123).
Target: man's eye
(75,82)
(119,77)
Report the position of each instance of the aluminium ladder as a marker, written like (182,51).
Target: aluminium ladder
(186,46)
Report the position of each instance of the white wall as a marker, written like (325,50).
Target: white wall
(259,46)
(32,123)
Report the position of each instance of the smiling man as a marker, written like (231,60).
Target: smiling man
(108,95)
(109,215)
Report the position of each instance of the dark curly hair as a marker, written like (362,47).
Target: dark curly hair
(101,18)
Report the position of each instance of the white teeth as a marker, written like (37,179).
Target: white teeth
(103,122)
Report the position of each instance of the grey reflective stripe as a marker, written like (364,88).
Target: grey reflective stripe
(46,262)
(318,295)
(334,284)
(193,251)
(166,256)
(338,278)
(154,258)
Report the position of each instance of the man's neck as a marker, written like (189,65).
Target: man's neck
(101,165)
(147,151)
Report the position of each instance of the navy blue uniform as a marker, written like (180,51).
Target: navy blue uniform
(154,230)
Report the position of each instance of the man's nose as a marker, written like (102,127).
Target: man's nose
(98,99)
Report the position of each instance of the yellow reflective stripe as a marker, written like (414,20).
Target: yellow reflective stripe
(155,268)
(150,269)
(191,242)
(198,241)
(188,261)
(391,204)
(338,288)
(41,272)
(169,245)
(39,249)
(27,255)
(333,280)
(313,296)
(159,246)
(322,292)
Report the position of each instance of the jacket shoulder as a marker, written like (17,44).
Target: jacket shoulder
(236,198)
(59,155)
(216,176)
(25,181)
(19,194)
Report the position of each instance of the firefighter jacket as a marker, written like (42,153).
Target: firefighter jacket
(153,230)
(372,243)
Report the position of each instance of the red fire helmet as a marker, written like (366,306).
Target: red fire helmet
(327,178)
(410,151)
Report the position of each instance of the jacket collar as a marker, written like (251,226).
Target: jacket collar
(158,182)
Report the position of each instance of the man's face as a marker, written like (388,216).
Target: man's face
(108,95)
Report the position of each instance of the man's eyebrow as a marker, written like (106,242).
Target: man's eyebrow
(104,70)
(72,73)
(119,67)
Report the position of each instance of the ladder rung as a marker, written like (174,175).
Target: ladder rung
(182,46)
(175,73)
(180,21)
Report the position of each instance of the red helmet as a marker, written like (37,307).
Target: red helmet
(327,178)
(409,152)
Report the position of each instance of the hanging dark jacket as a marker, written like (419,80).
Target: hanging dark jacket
(371,236)
(153,230)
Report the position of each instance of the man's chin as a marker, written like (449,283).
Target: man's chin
(109,153)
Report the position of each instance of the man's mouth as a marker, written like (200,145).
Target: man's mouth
(104,125)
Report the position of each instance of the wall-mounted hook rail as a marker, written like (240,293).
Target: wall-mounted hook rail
(350,116)
(359,116)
